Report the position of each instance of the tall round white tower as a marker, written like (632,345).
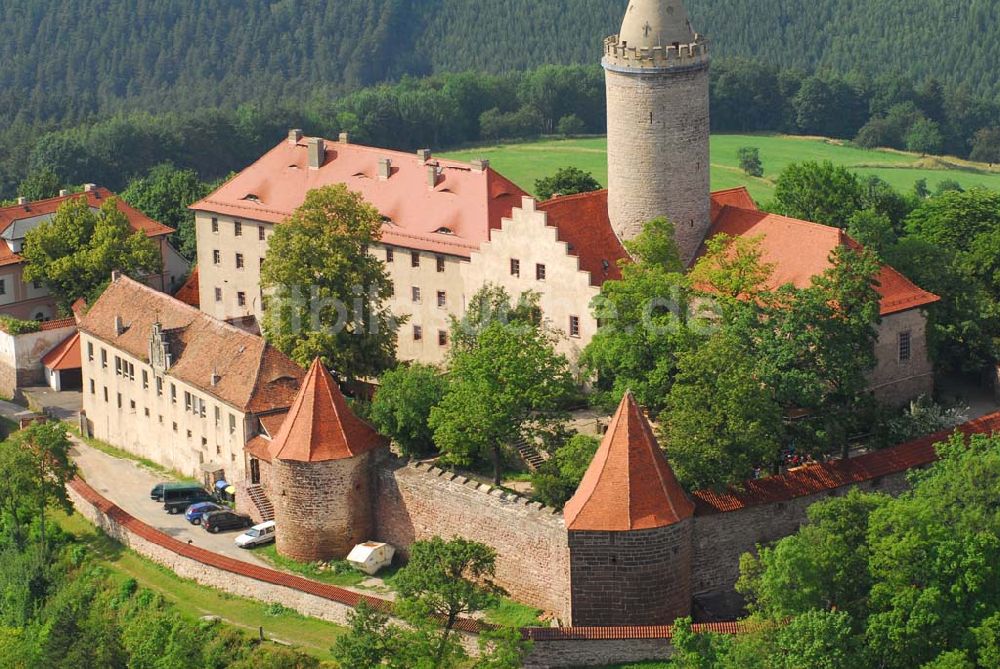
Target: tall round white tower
(656,72)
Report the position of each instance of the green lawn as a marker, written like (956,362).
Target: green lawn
(310,635)
(527,161)
(344,575)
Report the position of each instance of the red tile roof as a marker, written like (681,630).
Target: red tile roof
(252,375)
(64,356)
(583,223)
(800,250)
(734,197)
(95,198)
(831,475)
(188,292)
(466,202)
(320,426)
(629,484)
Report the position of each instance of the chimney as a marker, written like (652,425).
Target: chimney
(89,188)
(344,138)
(432,175)
(63,192)
(384,168)
(480,165)
(317,153)
(119,326)
(22,200)
(294,135)
(424,155)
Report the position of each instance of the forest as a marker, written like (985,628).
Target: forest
(114,55)
(449,110)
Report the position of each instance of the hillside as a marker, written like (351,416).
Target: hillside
(524,162)
(65,60)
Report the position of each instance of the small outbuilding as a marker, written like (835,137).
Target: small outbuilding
(371,556)
(63,366)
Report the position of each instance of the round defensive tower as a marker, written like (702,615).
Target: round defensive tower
(321,474)
(656,73)
(630,531)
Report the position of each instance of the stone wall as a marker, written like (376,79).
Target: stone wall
(631,578)
(322,509)
(546,653)
(721,538)
(21,355)
(896,381)
(416,502)
(658,153)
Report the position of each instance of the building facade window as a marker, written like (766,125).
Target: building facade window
(442,299)
(232,424)
(239,261)
(515,267)
(145,379)
(389,254)
(218,295)
(241,299)
(415,292)
(440,264)
(540,272)
(216,257)
(261,235)
(574,326)
(905,346)
(418,333)
(215,225)
(173,394)
(159,387)
(442,337)
(104,358)
(414,258)
(90,351)
(93,387)
(3,286)
(237,229)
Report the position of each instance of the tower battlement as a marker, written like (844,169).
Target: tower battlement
(618,54)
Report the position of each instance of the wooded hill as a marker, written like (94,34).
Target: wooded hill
(63,60)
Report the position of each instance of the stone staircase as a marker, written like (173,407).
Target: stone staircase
(530,455)
(260,501)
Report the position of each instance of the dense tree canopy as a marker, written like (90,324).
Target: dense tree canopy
(164,195)
(74,253)
(327,293)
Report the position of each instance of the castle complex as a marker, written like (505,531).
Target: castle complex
(632,547)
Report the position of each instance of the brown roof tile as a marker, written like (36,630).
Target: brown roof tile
(320,426)
(252,375)
(629,484)
(188,292)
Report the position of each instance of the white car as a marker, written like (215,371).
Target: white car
(256,535)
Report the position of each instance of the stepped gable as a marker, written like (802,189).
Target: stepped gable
(249,374)
(583,223)
(629,484)
(320,427)
(800,250)
(453,216)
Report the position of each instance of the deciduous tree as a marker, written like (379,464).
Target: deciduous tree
(402,406)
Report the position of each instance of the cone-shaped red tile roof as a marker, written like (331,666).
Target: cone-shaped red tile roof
(320,426)
(629,485)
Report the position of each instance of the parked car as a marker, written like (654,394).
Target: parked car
(195,512)
(256,535)
(224,520)
(176,500)
(156,494)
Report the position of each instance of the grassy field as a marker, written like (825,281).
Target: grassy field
(525,162)
(311,635)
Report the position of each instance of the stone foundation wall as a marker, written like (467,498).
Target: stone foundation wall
(416,502)
(631,578)
(549,654)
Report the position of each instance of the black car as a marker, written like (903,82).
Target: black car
(176,500)
(224,520)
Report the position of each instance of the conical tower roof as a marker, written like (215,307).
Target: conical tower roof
(650,23)
(629,484)
(320,426)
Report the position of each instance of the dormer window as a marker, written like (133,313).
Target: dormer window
(444,231)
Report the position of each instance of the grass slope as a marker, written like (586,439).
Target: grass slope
(310,635)
(525,162)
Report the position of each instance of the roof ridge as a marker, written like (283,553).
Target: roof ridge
(574,196)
